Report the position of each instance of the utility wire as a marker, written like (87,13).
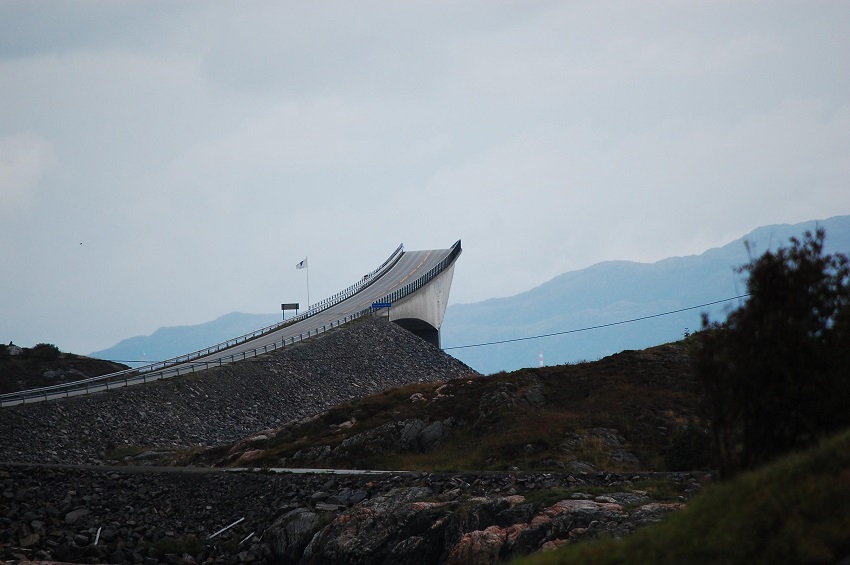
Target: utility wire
(621,322)
(595,327)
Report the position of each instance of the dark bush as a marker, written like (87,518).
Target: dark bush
(44,351)
(777,372)
(690,449)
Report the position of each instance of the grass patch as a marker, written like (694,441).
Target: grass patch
(122,452)
(796,510)
(520,419)
(547,497)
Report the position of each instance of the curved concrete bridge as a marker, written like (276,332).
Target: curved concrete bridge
(410,287)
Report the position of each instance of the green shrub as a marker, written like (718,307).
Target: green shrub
(689,450)
(44,351)
(777,372)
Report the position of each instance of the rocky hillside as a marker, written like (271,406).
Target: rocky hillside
(101,515)
(366,395)
(226,403)
(44,365)
(795,509)
(636,410)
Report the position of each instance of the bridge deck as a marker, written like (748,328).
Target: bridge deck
(411,265)
(410,268)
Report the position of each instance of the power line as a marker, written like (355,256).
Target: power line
(596,327)
(512,340)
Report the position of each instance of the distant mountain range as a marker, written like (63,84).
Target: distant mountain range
(608,294)
(169,342)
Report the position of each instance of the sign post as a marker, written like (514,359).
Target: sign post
(380,305)
(289,306)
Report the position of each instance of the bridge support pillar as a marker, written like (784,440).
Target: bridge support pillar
(422,312)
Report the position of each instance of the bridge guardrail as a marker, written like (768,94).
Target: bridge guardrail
(314,309)
(311,311)
(133,376)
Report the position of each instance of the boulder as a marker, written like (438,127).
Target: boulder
(74,516)
(433,435)
(291,533)
(394,527)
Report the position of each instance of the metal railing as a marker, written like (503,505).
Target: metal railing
(311,311)
(183,365)
(415,285)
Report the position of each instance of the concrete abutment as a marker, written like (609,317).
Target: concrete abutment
(423,311)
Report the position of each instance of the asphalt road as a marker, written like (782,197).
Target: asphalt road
(410,266)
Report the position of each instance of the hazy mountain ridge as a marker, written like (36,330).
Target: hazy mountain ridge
(613,292)
(168,342)
(605,293)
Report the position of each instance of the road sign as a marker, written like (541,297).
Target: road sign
(379,305)
(289,306)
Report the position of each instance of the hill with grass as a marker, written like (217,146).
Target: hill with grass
(23,368)
(636,410)
(795,510)
(494,468)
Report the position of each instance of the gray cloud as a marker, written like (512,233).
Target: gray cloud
(198,149)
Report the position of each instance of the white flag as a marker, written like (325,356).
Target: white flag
(301,264)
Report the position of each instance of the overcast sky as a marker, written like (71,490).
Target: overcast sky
(164,163)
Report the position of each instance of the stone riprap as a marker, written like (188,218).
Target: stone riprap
(225,404)
(147,515)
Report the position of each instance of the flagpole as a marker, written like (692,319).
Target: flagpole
(305,264)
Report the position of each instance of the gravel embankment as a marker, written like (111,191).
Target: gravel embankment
(225,404)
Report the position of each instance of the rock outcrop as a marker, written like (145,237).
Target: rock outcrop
(145,515)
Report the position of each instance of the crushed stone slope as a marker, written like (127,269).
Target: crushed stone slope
(226,403)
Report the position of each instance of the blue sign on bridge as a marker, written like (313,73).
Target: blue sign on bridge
(379,305)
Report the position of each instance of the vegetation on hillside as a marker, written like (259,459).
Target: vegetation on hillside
(636,410)
(776,376)
(770,382)
(44,365)
(777,372)
(796,510)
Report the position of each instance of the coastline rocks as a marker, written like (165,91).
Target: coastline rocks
(184,516)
